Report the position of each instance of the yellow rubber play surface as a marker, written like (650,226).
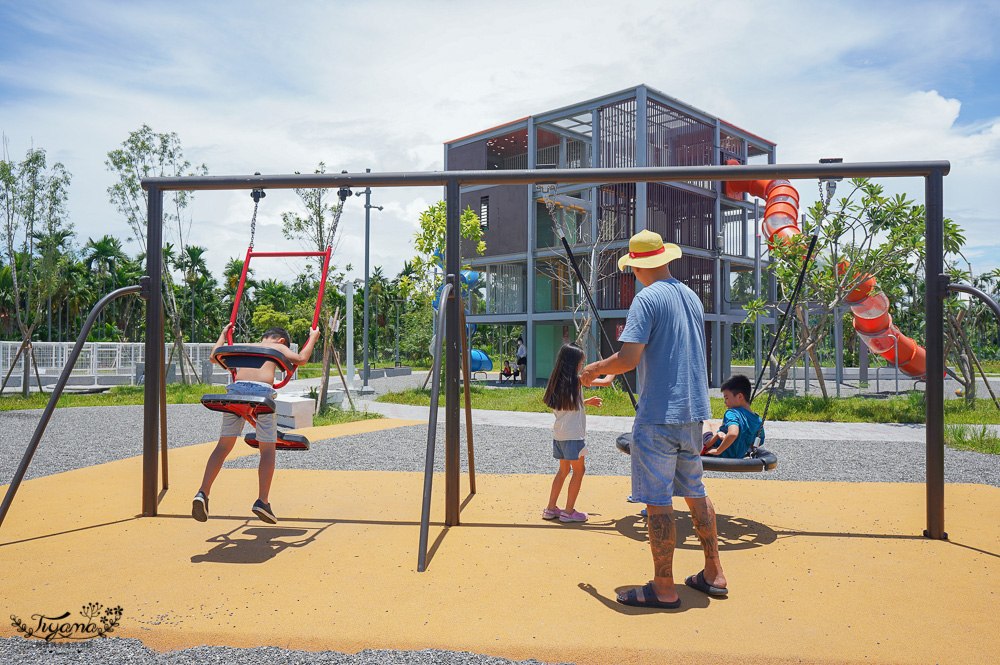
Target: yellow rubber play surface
(818,572)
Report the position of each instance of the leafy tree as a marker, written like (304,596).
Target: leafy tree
(143,154)
(429,241)
(267,317)
(317,230)
(32,205)
(877,236)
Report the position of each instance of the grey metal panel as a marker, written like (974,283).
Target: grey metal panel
(467,157)
(507,233)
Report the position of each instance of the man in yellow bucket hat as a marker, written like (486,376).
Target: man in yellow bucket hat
(664,339)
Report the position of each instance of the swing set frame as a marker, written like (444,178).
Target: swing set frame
(937,282)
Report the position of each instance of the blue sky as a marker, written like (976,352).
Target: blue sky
(279,87)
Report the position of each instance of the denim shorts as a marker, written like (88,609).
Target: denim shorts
(570,450)
(666,462)
(232,424)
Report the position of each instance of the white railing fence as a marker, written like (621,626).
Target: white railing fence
(97,360)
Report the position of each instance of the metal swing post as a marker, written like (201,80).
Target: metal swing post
(936,292)
(452,333)
(154,351)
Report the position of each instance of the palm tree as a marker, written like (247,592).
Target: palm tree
(51,264)
(192,263)
(231,280)
(79,295)
(274,293)
(104,254)
(378,288)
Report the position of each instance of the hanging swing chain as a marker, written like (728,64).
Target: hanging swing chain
(831,188)
(257,195)
(781,327)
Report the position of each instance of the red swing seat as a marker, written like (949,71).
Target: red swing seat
(235,356)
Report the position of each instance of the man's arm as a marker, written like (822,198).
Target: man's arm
(604,381)
(624,361)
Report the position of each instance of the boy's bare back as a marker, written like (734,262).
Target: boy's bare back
(265,374)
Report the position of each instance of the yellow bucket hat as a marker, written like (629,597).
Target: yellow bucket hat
(647,250)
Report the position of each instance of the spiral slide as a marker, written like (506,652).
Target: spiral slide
(870,308)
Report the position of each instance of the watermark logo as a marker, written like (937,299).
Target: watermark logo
(95,623)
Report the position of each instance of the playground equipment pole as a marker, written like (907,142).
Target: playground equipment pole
(365,388)
(936,290)
(154,352)
(57,390)
(453,338)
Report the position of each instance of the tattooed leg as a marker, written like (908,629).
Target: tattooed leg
(703,517)
(662,540)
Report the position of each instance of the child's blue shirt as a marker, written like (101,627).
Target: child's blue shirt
(749,422)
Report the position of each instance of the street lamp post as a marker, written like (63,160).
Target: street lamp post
(365,388)
(397,301)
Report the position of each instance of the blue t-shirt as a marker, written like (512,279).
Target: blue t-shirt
(749,423)
(669,319)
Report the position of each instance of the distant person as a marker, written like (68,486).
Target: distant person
(508,372)
(564,395)
(259,382)
(522,359)
(664,339)
(740,425)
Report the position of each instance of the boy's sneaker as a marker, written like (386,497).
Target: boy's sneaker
(199,507)
(263,511)
(575,516)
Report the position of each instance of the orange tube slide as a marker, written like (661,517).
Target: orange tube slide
(870,308)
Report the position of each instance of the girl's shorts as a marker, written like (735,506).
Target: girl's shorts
(570,451)
(666,462)
(232,424)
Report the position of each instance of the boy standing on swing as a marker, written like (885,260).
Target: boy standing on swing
(260,383)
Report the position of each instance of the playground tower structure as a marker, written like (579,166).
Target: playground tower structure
(523,274)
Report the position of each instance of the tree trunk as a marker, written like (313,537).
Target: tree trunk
(813,356)
(327,352)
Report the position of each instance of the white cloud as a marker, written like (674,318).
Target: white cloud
(272,88)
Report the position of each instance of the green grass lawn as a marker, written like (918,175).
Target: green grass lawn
(965,427)
(315,370)
(118,396)
(903,409)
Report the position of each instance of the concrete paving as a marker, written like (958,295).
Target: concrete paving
(824,572)
(819,572)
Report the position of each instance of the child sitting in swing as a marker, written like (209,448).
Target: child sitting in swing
(740,425)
